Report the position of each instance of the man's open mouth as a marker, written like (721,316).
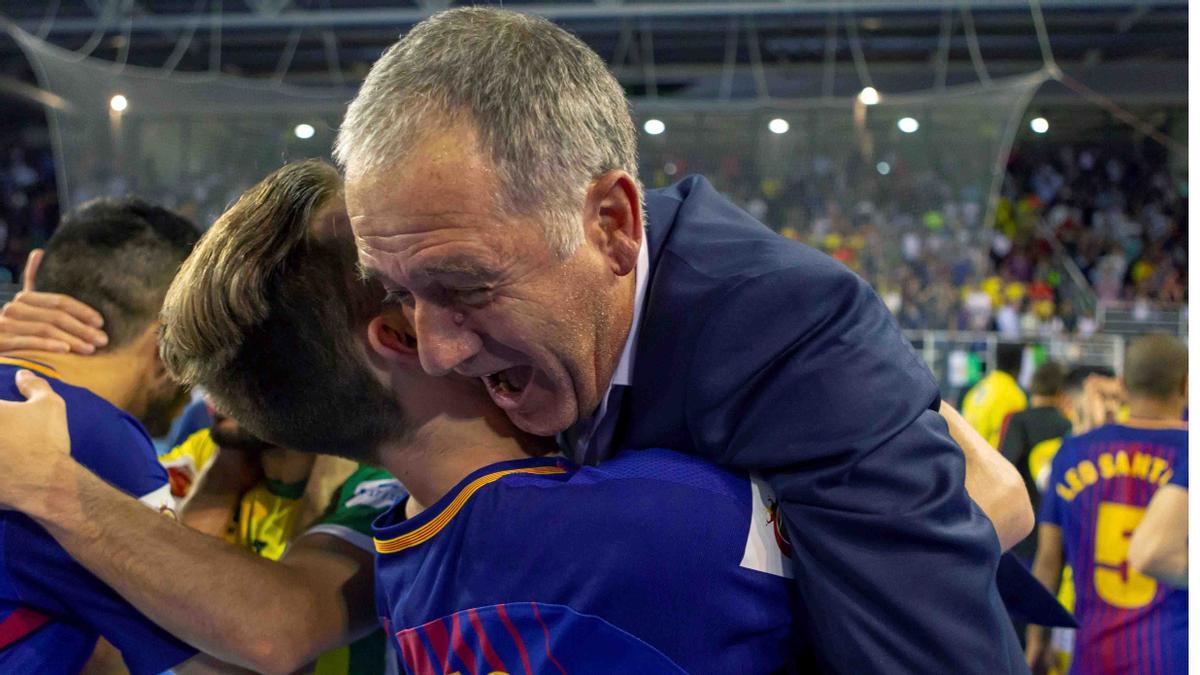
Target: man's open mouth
(506,386)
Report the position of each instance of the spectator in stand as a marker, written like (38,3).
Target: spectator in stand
(988,405)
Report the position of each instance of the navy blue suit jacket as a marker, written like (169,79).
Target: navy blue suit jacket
(763,354)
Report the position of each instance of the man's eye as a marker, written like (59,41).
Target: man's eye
(398,298)
(473,296)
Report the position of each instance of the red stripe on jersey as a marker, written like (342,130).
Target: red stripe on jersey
(489,654)
(440,641)
(512,632)
(546,632)
(1004,429)
(412,648)
(461,649)
(19,624)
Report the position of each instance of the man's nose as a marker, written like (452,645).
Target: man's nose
(442,341)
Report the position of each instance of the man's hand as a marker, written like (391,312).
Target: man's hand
(1101,402)
(1038,653)
(48,321)
(214,500)
(992,481)
(234,471)
(35,448)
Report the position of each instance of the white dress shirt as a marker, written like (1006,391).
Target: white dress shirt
(581,434)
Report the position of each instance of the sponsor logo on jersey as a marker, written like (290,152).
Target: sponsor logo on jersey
(377,494)
(767,546)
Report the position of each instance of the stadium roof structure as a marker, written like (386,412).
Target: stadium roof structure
(696,49)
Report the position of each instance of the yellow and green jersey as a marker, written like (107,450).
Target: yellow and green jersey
(267,519)
(268,515)
(366,494)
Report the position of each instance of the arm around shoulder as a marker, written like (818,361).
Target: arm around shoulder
(992,481)
(1158,547)
(802,375)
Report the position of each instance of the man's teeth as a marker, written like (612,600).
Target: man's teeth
(501,382)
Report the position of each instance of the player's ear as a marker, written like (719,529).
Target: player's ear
(391,338)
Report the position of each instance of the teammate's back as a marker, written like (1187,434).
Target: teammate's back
(652,562)
(119,256)
(51,608)
(1100,485)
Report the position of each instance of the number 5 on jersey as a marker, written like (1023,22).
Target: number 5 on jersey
(1116,582)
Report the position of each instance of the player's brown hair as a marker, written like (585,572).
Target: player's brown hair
(118,256)
(1156,366)
(265,315)
(1049,379)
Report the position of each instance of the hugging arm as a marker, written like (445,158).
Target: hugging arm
(837,412)
(255,613)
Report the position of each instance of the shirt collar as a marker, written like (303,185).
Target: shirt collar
(577,438)
(624,372)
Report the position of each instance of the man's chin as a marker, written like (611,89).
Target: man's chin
(542,422)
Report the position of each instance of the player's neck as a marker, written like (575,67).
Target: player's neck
(443,452)
(1039,401)
(1155,411)
(115,376)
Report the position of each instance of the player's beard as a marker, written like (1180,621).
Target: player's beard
(228,434)
(162,409)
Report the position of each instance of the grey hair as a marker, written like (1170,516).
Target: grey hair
(545,106)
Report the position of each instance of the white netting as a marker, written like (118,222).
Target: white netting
(844,176)
(190,141)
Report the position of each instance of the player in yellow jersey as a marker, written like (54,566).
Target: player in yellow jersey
(989,403)
(257,501)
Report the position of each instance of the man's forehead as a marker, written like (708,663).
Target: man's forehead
(474,261)
(403,220)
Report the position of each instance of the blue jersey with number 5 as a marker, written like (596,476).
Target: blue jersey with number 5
(1100,485)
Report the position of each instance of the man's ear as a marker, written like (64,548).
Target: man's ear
(614,219)
(146,347)
(391,338)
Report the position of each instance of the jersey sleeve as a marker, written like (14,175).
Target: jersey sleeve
(364,496)
(187,462)
(1051,510)
(115,447)
(1180,470)
(47,579)
(1012,439)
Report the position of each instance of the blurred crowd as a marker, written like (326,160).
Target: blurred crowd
(1068,219)
(1114,215)
(28,206)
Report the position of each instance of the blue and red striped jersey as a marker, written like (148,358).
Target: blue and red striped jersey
(653,562)
(1100,485)
(52,609)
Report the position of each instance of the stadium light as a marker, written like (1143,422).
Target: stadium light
(654,127)
(869,96)
(779,126)
(1039,125)
(883,168)
(908,125)
(118,103)
(304,131)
